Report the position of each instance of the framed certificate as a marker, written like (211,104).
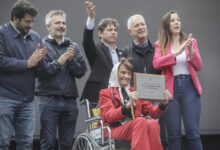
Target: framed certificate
(150,86)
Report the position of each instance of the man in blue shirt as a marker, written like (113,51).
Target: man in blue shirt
(20,52)
(57,89)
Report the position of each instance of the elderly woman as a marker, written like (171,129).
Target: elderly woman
(115,104)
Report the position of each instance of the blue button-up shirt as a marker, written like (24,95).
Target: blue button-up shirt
(16,80)
(114,54)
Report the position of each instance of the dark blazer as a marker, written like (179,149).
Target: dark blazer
(100,63)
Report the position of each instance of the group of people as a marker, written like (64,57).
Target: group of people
(55,61)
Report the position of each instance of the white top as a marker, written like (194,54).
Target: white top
(181,66)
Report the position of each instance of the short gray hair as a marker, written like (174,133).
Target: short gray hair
(54,13)
(131,18)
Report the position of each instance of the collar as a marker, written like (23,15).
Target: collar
(65,42)
(118,95)
(17,32)
(50,37)
(110,48)
(141,45)
(143,49)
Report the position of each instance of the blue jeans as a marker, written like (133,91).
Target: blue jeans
(19,116)
(57,112)
(186,103)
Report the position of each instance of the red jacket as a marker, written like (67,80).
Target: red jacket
(111,114)
(165,63)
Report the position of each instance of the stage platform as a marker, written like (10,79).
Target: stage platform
(210,141)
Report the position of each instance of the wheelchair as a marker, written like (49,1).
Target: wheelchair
(93,137)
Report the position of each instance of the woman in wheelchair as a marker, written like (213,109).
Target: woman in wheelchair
(116,103)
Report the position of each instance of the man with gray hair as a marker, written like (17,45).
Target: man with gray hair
(142,52)
(57,89)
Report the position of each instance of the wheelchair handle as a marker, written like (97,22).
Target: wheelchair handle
(93,119)
(84,102)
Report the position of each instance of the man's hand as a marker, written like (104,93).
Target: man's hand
(71,50)
(90,8)
(44,51)
(67,56)
(37,56)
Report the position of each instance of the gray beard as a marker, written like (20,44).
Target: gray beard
(56,34)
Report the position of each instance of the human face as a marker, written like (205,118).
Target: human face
(175,24)
(138,29)
(57,26)
(109,35)
(124,76)
(24,24)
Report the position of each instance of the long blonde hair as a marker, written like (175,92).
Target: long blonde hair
(165,35)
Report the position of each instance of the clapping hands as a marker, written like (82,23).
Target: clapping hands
(187,44)
(37,56)
(67,56)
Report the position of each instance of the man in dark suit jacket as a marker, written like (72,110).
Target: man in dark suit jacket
(101,56)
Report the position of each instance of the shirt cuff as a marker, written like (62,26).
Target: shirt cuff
(90,23)
(162,106)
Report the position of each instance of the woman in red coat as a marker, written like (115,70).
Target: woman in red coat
(115,104)
(178,59)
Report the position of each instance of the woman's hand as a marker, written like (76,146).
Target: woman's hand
(179,50)
(134,96)
(189,45)
(167,96)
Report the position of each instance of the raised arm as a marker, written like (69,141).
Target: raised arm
(90,8)
(88,41)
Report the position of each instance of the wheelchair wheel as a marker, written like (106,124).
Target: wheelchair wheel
(84,142)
